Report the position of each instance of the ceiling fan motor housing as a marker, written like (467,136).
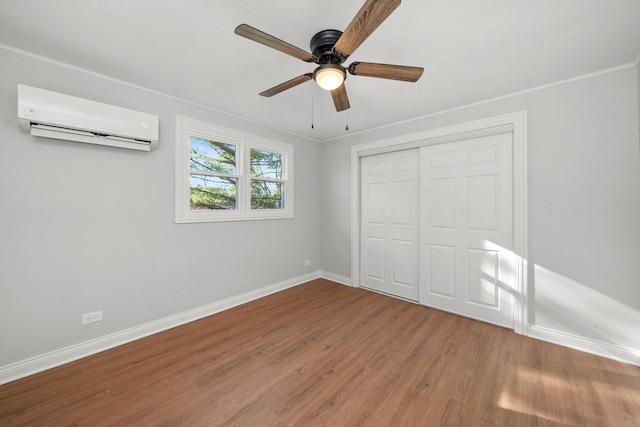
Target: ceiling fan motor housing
(322,47)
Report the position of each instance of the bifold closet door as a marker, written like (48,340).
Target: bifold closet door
(389,223)
(466,228)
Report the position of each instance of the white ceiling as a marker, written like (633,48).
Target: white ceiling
(471,50)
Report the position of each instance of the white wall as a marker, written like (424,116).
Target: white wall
(584,204)
(86,228)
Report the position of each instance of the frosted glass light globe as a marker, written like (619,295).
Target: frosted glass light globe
(329,78)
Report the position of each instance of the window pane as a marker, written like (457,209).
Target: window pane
(265,164)
(207,155)
(266,195)
(212,192)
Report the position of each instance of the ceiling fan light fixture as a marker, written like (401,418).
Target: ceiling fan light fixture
(329,76)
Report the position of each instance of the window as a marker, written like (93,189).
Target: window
(266,180)
(225,175)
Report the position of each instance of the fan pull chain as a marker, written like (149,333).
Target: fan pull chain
(346,127)
(311,111)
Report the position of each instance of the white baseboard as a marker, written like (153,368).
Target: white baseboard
(55,358)
(336,278)
(599,348)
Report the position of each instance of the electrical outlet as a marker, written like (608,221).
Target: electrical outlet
(307,262)
(96,316)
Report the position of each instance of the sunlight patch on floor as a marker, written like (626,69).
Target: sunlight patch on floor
(547,384)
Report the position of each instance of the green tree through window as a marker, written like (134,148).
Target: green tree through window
(215,187)
(266,169)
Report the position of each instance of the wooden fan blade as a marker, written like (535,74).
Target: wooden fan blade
(386,71)
(287,85)
(268,40)
(340,98)
(370,16)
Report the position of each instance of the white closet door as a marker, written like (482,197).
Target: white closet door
(389,223)
(466,228)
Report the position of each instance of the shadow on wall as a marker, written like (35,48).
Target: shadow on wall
(565,305)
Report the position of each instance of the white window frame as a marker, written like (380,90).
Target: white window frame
(185,129)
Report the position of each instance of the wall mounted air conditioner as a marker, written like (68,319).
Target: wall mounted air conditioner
(55,115)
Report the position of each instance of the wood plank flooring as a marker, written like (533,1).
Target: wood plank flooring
(328,355)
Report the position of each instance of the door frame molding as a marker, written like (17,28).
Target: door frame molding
(516,123)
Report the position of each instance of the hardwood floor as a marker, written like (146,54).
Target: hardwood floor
(329,355)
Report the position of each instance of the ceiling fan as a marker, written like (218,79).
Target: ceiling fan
(330,48)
